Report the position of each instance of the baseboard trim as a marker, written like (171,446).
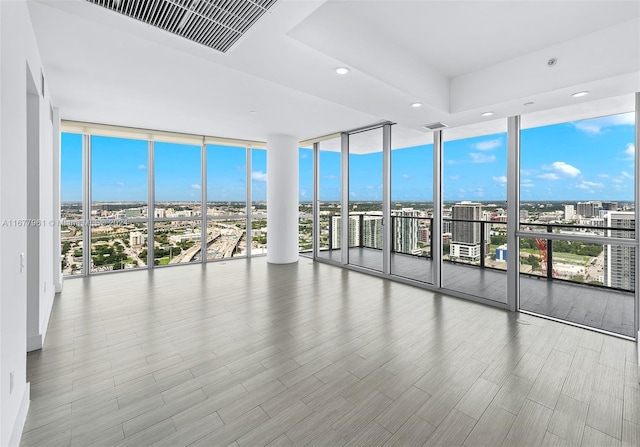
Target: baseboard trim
(18,426)
(34,342)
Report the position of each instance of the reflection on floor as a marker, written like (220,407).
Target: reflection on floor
(245,353)
(597,307)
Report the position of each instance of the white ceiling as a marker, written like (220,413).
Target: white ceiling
(459,58)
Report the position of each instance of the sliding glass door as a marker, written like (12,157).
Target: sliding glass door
(474,230)
(411,204)
(366,218)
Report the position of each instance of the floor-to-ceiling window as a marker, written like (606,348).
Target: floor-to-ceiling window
(474,182)
(329,195)
(411,204)
(178,204)
(119,230)
(305,200)
(577,174)
(226,202)
(146,203)
(365,226)
(71,206)
(259,230)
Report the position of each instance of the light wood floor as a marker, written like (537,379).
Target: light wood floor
(250,354)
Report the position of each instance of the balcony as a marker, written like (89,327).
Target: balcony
(572,289)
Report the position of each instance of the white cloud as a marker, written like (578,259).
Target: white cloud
(589,185)
(259,176)
(562,169)
(630,151)
(500,179)
(405,175)
(142,167)
(625,174)
(603,175)
(588,127)
(617,180)
(195,186)
(597,126)
(477,157)
(455,177)
(550,176)
(527,183)
(120,183)
(487,145)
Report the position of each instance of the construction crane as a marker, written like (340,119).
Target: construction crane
(544,262)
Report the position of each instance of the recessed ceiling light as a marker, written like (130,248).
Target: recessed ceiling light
(416,105)
(486,114)
(342,70)
(530,103)
(580,94)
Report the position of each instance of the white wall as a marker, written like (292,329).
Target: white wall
(18,50)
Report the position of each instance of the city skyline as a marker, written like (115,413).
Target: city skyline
(572,161)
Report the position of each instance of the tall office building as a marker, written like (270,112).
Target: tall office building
(569,212)
(467,237)
(405,230)
(372,230)
(619,261)
(589,209)
(336,231)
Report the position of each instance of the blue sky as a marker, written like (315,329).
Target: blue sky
(119,171)
(583,160)
(588,159)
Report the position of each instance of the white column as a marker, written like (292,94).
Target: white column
(282,199)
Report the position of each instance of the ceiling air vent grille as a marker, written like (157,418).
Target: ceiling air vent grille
(217,24)
(435,126)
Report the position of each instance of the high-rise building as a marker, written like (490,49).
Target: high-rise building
(336,231)
(405,230)
(467,237)
(619,261)
(372,230)
(569,212)
(589,209)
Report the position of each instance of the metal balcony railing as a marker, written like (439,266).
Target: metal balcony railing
(366,232)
